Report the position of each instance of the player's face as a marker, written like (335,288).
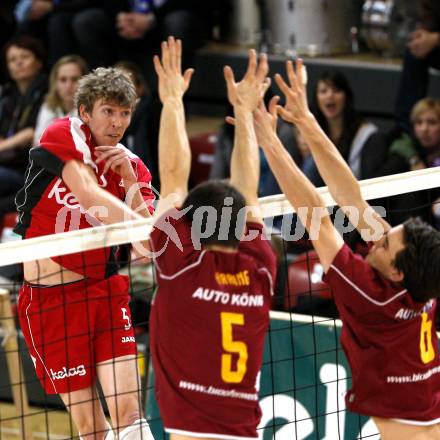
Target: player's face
(427,129)
(67,82)
(23,65)
(331,101)
(383,253)
(107,122)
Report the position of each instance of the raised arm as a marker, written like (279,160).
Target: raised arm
(245,96)
(174,150)
(335,171)
(300,192)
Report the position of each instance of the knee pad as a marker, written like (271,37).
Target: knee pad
(139,430)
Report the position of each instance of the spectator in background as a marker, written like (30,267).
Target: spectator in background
(143,24)
(68,26)
(422,53)
(418,151)
(358,140)
(59,102)
(20,102)
(142,134)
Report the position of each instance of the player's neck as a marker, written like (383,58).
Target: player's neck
(219,248)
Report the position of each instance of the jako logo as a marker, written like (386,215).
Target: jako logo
(62,374)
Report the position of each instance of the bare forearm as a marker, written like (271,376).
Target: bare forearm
(174,150)
(300,192)
(105,207)
(245,160)
(335,171)
(20,139)
(134,198)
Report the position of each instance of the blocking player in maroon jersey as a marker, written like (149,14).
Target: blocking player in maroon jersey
(387,301)
(74,309)
(211,311)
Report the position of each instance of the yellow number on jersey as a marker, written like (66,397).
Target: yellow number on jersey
(427,352)
(229,345)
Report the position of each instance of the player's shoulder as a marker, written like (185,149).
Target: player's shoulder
(64,128)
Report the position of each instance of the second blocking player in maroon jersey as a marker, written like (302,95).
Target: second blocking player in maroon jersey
(211,311)
(387,301)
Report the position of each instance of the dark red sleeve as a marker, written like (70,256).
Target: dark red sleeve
(171,243)
(256,245)
(357,286)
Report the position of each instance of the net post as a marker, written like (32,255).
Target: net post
(15,368)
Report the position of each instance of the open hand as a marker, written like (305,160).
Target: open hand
(296,107)
(172,84)
(251,89)
(265,122)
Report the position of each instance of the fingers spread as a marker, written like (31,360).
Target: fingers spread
(283,113)
(273,105)
(187,77)
(158,66)
(229,76)
(165,56)
(291,74)
(263,67)
(301,72)
(230,120)
(179,56)
(252,64)
(281,84)
(172,52)
(265,86)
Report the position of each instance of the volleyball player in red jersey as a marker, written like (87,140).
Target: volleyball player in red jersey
(211,311)
(74,309)
(387,301)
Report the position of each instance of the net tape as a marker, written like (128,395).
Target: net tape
(131,231)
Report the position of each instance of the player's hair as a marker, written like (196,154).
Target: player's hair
(53,100)
(424,105)
(213,194)
(419,261)
(106,83)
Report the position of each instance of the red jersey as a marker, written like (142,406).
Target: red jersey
(47,206)
(390,342)
(207,326)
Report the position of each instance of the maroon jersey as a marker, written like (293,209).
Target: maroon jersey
(208,323)
(47,206)
(390,342)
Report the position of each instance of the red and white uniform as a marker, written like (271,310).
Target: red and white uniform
(390,342)
(207,328)
(47,206)
(71,327)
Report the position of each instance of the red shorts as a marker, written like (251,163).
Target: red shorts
(70,328)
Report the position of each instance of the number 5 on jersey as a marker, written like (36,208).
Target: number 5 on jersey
(230,375)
